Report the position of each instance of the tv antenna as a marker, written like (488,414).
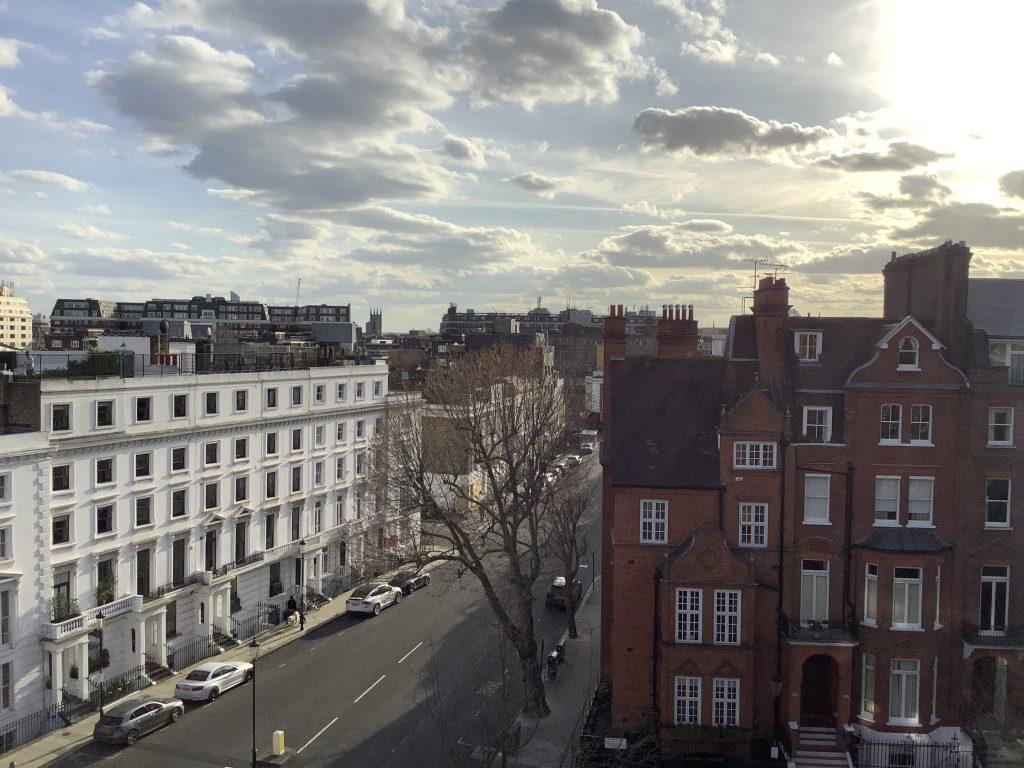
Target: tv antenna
(771,266)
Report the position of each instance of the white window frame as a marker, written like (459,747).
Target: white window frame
(319,394)
(71,417)
(871,594)
(113,471)
(341,394)
(994,580)
(71,530)
(802,352)
(653,521)
(277,443)
(244,479)
(277,398)
(234,449)
(340,433)
(921,481)
(378,388)
(689,624)
(815,577)
(728,615)
(687,700)
(295,389)
(1009,496)
(753,454)
(319,436)
(867,687)
(899,487)
(206,403)
(906,584)
(206,501)
(341,467)
(207,463)
(6,489)
(135,512)
(234,400)
(6,543)
(914,411)
(96,415)
(826,520)
(71,478)
(992,426)
(826,436)
(912,346)
(135,409)
(904,676)
(883,421)
(753,524)
(135,466)
(318,473)
(725,708)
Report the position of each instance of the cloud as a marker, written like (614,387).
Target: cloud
(544,186)
(467,151)
(845,260)
(721,130)
(833,59)
(715,42)
(103,210)
(89,232)
(897,156)
(705,225)
(657,211)
(916,191)
(101,33)
(711,51)
(1012,184)
(979,224)
(9,49)
(74,126)
(46,178)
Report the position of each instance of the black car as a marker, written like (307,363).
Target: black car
(123,723)
(410,581)
(556,593)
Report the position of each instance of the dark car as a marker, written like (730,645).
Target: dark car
(410,581)
(556,593)
(125,722)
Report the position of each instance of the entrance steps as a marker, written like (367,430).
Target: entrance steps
(225,642)
(818,748)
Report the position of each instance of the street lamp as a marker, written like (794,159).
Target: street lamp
(254,651)
(99,626)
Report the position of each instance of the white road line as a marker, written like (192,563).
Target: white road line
(317,736)
(410,652)
(368,689)
(281,665)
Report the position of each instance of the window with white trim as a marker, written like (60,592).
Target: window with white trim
(995,586)
(6,545)
(906,598)
(818,423)
(688,621)
(6,616)
(908,354)
(807,345)
(814,590)
(892,418)
(727,616)
(339,434)
(241,489)
(212,404)
(997,503)
(750,455)
(5,487)
(687,708)
(816,496)
(1000,426)
(871,594)
(60,417)
(6,688)
(726,710)
(887,500)
(904,682)
(920,499)
(753,524)
(653,521)
(867,686)
(920,423)
(319,394)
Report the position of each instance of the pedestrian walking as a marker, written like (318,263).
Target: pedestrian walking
(302,615)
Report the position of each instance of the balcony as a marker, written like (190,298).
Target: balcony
(222,570)
(85,620)
(174,586)
(1011,638)
(820,632)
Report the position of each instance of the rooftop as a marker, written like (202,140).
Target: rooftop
(996,306)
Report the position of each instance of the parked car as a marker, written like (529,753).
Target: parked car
(208,681)
(409,581)
(124,723)
(373,598)
(556,597)
(587,448)
(572,461)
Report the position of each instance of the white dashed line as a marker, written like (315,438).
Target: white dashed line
(356,701)
(316,736)
(410,652)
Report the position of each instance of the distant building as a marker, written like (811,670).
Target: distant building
(375,326)
(15,319)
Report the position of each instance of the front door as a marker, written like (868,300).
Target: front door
(142,572)
(817,692)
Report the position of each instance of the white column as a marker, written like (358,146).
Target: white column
(80,656)
(56,674)
(138,658)
(161,646)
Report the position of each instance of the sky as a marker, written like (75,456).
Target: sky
(409,154)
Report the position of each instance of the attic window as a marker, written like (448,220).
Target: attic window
(807,345)
(908,354)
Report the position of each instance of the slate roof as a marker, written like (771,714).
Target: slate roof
(920,540)
(664,422)
(996,306)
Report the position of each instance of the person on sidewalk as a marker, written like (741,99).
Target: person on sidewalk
(302,615)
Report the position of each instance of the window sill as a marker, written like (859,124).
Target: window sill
(143,526)
(997,527)
(63,545)
(643,541)
(869,623)
(897,628)
(913,524)
(866,718)
(904,722)
(817,522)
(886,524)
(908,368)
(889,442)
(753,546)
(921,444)
(999,445)
(105,536)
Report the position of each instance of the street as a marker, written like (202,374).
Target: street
(419,685)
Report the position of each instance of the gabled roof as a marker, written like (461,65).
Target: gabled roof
(996,306)
(664,422)
(883,343)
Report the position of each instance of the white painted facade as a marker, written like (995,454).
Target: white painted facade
(175,505)
(15,319)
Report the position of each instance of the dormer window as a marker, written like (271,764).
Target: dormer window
(807,345)
(908,354)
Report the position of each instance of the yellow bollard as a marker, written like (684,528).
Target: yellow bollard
(278,744)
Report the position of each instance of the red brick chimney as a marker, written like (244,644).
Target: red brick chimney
(771,308)
(677,332)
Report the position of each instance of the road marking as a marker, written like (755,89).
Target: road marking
(316,736)
(410,652)
(281,665)
(368,690)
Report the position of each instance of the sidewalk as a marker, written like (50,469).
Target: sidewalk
(64,740)
(548,743)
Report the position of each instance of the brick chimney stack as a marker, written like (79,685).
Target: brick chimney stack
(771,308)
(677,332)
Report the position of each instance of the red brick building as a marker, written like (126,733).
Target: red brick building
(814,537)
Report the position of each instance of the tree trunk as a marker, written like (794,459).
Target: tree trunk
(533,684)
(570,606)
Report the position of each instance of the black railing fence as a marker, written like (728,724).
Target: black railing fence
(255,557)
(332,586)
(117,687)
(23,730)
(912,753)
(266,616)
(190,653)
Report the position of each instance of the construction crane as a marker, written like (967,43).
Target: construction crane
(298,287)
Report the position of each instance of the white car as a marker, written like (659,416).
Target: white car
(373,598)
(208,681)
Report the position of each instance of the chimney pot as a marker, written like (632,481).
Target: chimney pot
(893,256)
(611,310)
(620,310)
(691,311)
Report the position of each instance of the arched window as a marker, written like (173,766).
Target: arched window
(908,352)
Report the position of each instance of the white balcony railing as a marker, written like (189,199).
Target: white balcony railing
(87,618)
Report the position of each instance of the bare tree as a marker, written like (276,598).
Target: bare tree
(475,466)
(565,535)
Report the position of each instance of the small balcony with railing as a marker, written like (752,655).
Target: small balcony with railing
(1008,637)
(241,565)
(171,589)
(66,620)
(820,632)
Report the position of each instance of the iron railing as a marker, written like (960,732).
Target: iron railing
(192,652)
(156,594)
(117,687)
(19,732)
(826,631)
(334,585)
(1011,636)
(255,557)
(912,752)
(266,616)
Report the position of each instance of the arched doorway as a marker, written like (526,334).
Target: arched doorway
(818,679)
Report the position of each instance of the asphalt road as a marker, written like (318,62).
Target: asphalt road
(420,685)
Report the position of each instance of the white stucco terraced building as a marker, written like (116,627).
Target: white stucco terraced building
(177,506)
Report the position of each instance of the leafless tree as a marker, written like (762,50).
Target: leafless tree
(565,533)
(475,466)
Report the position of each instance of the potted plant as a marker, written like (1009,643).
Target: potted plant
(106,590)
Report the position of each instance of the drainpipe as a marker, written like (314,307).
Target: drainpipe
(848,610)
(721,510)
(781,581)
(657,642)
